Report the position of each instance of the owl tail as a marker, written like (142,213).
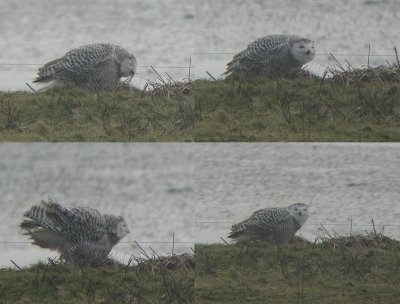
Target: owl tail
(236,64)
(42,216)
(38,226)
(240,236)
(234,235)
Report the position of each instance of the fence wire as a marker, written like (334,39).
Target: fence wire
(230,223)
(214,53)
(121,242)
(310,224)
(317,54)
(139,66)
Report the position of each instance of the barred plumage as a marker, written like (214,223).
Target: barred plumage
(83,236)
(273,56)
(274,225)
(97,66)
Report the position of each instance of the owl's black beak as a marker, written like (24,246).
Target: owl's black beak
(308,52)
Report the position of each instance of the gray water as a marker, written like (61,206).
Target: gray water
(198,190)
(342,182)
(158,32)
(168,32)
(341,27)
(151,185)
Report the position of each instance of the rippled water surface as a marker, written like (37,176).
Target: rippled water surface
(338,27)
(199,190)
(168,33)
(149,184)
(158,32)
(343,183)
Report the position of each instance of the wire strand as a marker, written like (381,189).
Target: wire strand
(122,242)
(213,53)
(230,222)
(317,54)
(139,66)
(140,242)
(308,224)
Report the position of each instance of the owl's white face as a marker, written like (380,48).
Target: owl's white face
(303,51)
(128,67)
(300,212)
(122,229)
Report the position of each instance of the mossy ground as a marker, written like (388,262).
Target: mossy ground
(61,283)
(304,109)
(296,273)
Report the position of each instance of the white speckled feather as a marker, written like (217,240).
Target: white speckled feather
(82,235)
(273,56)
(275,225)
(97,66)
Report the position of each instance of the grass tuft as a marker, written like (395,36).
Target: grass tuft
(305,108)
(77,115)
(58,282)
(346,104)
(334,269)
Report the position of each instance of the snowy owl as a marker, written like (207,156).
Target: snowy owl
(274,225)
(274,56)
(95,67)
(82,235)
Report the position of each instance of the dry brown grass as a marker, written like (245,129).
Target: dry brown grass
(348,74)
(370,239)
(158,264)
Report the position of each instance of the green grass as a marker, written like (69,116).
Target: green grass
(305,109)
(297,273)
(61,283)
(127,115)
(297,110)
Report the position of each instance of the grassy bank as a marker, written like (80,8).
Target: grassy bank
(341,271)
(153,283)
(347,107)
(306,109)
(164,114)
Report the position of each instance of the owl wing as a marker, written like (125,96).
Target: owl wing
(82,224)
(76,65)
(265,50)
(259,53)
(72,224)
(267,46)
(265,220)
(262,221)
(81,61)
(105,74)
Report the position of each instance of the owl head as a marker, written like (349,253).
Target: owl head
(117,227)
(128,66)
(302,50)
(300,212)
(127,62)
(122,228)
